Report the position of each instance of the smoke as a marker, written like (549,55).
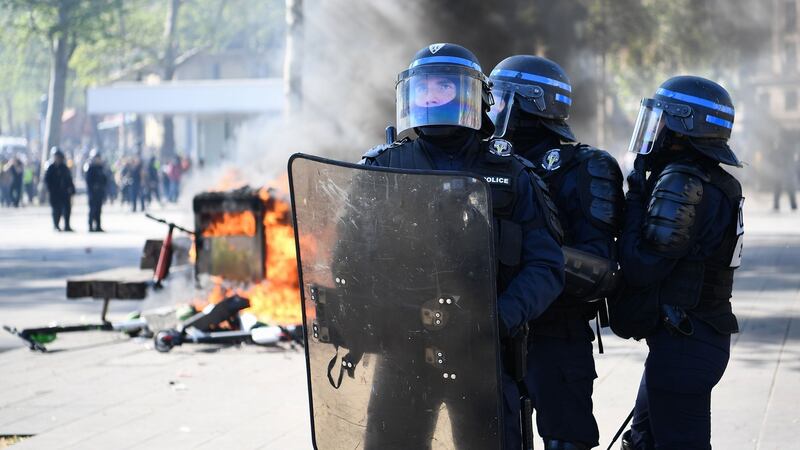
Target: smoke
(353,51)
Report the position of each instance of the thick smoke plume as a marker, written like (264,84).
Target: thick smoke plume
(616,52)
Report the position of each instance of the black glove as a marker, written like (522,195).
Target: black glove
(636,180)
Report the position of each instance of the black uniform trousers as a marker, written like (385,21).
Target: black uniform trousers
(561,373)
(61,206)
(673,407)
(95,209)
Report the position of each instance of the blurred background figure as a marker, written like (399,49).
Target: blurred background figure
(15,169)
(5,182)
(58,180)
(132,182)
(152,179)
(96,185)
(174,171)
(28,181)
(785,175)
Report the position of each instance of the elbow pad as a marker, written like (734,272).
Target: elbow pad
(672,209)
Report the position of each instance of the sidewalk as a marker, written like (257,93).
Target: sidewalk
(104,391)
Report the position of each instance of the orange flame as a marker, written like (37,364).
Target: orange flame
(275,300)
(231,224)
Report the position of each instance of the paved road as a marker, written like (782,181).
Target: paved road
(100,390)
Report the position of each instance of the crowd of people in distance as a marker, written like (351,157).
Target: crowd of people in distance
(133,180)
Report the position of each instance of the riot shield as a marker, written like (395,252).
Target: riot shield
(399,299)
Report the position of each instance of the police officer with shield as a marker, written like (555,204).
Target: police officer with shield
(444,98)
(681,242)
(532,100)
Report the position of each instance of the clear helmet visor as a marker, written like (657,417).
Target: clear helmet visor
(501,110)
(649,124)
(431,98)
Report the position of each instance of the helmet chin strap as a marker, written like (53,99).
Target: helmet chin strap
(526,132)
(438,130)
(447,138)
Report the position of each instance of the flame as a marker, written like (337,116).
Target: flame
(276,299)
(231,224)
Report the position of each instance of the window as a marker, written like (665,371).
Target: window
(790,100)
(790,57)
(790,14)
(763,99)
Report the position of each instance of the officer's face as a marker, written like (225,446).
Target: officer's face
(433,91)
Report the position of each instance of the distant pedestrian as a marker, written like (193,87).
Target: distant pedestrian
(5,183)
(96,184)
(174,173)
(132,176)
(112,190)
(58,179)
(785,180)
(152,174)
(28,185)
(16,170)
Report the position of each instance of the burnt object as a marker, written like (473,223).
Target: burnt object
(229,234)
(221,324)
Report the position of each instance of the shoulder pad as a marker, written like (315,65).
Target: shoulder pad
(376,151)
(686,168)
(671,212)
(600,189)
(548,208)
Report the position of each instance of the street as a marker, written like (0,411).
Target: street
(104,390)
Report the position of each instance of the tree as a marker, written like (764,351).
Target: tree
(64,24)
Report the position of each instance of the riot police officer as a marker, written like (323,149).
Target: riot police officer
(60,188)
(96,182)
(444,98)
(532,100)
(682,241)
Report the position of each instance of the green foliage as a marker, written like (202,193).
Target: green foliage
(114,39)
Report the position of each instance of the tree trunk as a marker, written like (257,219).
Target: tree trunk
(168,72)
(10,115)
(293,60)
(56,93)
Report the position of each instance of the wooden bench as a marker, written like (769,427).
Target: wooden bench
(125,283)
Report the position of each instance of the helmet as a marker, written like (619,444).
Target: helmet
(94,153)
(56,152)
(699,110)
(534,85)
(443,85)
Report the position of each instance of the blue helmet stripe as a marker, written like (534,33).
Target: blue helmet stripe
(563,99)
(719,121)
(445,60)
(530,77)
(696,100)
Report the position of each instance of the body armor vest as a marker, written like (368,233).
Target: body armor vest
(599,193)
(705,287)
(502,173)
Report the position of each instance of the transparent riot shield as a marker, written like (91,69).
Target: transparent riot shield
(398,289)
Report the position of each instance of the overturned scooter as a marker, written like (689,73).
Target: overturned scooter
(116,284)
(221,324)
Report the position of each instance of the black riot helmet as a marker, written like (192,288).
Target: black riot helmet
(56,152)
(698,110)
(533,85)
(443,87)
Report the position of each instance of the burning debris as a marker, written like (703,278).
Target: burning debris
(245,275)
(223,323)
(245,244)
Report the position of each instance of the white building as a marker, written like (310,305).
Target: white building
(206,112)
(210,96)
